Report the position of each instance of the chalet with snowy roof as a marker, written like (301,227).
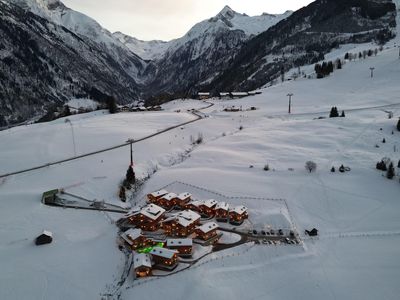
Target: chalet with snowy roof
(224,95)
(154,197)
(181,224)
(148,218)
(204,95)
(238,214)
(183,246)
(194,205)
(165,258)
(222,212)
(207,231)
(207,208)
(135,239)
(183,199)
(238,95)
(142,265)
(168,201)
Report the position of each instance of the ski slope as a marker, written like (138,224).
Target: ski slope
(355,257)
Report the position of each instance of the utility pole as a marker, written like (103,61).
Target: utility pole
(290,102)
(73,135)
(130,141)
(372,72)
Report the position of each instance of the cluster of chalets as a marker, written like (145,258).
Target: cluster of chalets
(169,224)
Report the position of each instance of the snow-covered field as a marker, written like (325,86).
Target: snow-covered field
(355,257)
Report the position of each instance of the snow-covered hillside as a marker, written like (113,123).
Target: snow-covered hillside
(355,256)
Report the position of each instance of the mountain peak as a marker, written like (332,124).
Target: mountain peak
(227,12)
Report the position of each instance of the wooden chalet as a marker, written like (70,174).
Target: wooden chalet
(204,95)
(148,218)
(194,205)
(222,212)
(183,246)
(135,239)
(224,95)
(183,199)
(142,265)
(165,258)
(168,201)
(207,208)
(154,197)
(181,224)
(238,214)
(207,231)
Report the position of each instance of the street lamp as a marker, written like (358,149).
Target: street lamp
(290,102)
(131,141)
(372,72)
(73,135)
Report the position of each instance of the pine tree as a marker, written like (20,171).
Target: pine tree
(398,164)
(398,125)
(346,55)
(342,169)
(384,141)
(343,114)
(390,172)
(122,194)
(334,112)
(111,105)
(333,170)
(130,175)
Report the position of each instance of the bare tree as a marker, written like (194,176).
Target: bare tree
(311,166)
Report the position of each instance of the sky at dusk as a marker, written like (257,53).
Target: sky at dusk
(169,19)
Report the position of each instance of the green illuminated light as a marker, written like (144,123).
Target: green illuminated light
(149,249)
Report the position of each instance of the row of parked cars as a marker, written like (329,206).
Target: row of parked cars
(271,232)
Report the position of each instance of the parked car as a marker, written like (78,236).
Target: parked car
(255,232)
(263,232)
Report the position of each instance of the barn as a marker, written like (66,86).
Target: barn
(165,258)
(183,246)
(142,265)
(148,218)
(238,214)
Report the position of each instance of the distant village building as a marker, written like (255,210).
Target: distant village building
(222,212)
(238,95)
(207,208)
(207,231)
(238,214)
(225,95)
(142,265)
(204,95)
(181,224)
(45,238)
(148,218)
(165,258)
(183,246)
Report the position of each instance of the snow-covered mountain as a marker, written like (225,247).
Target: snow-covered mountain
(305,37)
(205,51)
(204,32)
(148,50)
(44,64)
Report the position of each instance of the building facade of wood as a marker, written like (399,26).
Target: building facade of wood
(238,214)
(164,258)
(142,265)
(183,246)
(207,231)
(148,218)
